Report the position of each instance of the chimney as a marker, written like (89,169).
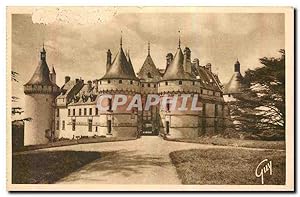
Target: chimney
(108,59)
(67,79)
(169,59)
(89,85)
(237,66)
(196,62)
(187,60)
(208,66)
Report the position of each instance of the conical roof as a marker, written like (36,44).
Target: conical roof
(175,70)
(149,67)
(130,64)
(120,68)
(41,73)
(235,84)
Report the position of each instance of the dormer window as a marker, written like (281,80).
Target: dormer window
(149,75)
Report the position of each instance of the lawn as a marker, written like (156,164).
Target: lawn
(48,167)
(235,142)
(227,166)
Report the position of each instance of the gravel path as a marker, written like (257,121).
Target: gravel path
(142,161)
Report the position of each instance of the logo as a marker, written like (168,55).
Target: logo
(262,168)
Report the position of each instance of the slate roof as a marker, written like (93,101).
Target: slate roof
(120,68)
(235,84)
(149,72)
(41,73)
(175,70)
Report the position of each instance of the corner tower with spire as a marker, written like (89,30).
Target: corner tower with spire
(40,93)
(236,82)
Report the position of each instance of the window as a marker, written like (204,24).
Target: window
(57,112)
(69,112)
(108,81)
(216,110)
(57,125)
(73,125)
(154,85)
(63,125)
(79,112)
(120,81)
(180,82)
(90,125)
(131,82)
(109,127)
(109,104)
(193,83)
(142,85)
(91,111)
(149,75)
(168,107)
(100,82)
(201,91)
(96,111)
(84,111)
(166,83)
(73,112)
(149,85)
(96,129)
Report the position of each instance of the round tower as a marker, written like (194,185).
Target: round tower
(40,96)
(120,84)
(176,89)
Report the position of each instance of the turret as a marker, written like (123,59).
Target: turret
(40,93)
(236,82)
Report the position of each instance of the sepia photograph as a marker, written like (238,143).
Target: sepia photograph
(150,99)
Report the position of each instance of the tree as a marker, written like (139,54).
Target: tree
(16,110)
(261,104)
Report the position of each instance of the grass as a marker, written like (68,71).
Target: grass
(227,166)
(235,142)
(48,167)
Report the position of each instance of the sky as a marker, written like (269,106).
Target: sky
(76,40)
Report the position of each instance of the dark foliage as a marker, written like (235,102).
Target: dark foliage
(261,106)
